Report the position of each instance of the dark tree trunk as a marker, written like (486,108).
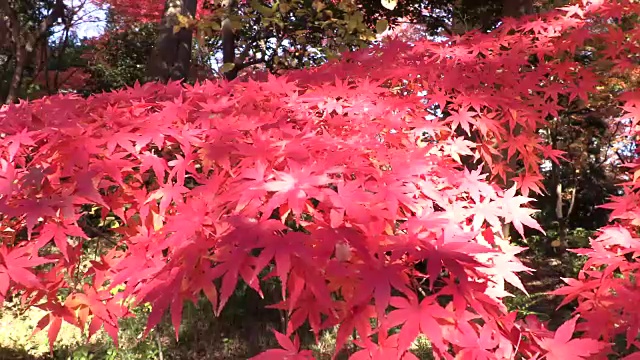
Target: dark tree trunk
(24,40)
(229,42)
(171,57)
(517,8)
(16,78)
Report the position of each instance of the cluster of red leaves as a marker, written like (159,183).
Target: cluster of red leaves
(129,11)
(67,80)
(150,10)
(606,289)
(343,182)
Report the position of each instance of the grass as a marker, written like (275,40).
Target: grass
(244,328)
(202,337)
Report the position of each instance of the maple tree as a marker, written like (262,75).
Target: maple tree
(344,182)
(276,35)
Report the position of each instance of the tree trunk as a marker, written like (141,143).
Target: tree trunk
(562,217)
(229,42)
(16,78)
(25,41)
(171,57)
(516,8)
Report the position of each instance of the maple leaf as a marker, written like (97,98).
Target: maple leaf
(102,305)
(59,233)
(356,318)
(57,314)
(294,187)
(168,193)
(417,318)
(125,139)
(150,161)
(515,213)
(290,350)
(562,347)
(385,348)
(15,264)
(477,346)
(463,118)
(377,282)
(17,140)
(231,264)
(459,146)
(8,175)
(307,308)
(528,182)
(553,154)
(573,9)
(86,188)
(456,256)
(486,210)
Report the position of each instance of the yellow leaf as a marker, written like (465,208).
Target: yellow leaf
(389,4)
(263,10)
(381,26)
(176,28)
(183,20)
(158,221)
(227,67)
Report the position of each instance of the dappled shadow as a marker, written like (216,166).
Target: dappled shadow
(13,354)
(548,274)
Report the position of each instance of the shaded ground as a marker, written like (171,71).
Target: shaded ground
(244,329)
(548,274)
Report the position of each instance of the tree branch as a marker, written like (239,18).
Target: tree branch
(228,40)
(573,201)
(250,63)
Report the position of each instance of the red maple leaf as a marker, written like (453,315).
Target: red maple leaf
(59,233)
(418,318)
(17,140)
(290,350)
(15,264)
(562,347)
(516,214)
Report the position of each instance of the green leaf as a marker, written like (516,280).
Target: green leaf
(263,10)
(381,26)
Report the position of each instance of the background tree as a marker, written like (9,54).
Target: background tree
(172,55)
(119,57)
(37,45)
(29,24)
